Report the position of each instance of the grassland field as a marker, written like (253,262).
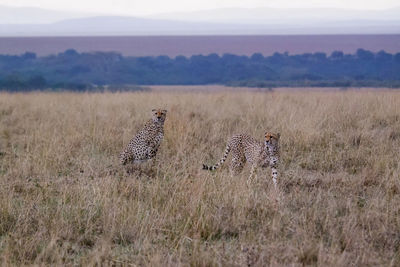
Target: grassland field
(65,200)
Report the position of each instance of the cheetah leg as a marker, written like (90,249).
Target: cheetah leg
(236,167)
(152,154)
(253,172)
(274,175)
(153,163)
(131,168)
(151,167)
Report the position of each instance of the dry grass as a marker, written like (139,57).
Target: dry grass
(64,201)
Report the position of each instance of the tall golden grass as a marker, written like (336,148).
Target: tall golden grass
(65,200)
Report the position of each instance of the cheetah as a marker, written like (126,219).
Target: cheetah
(246,148)
(145,144)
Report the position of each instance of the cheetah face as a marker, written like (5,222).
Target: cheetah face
(158,115)
(272,146)
(272,139)
(269,154)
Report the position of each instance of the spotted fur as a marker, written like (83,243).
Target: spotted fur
(145,144)
(258,154)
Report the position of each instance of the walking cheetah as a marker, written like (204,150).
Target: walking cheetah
(145,144)
(246,148)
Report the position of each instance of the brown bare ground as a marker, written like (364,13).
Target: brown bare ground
(65,201)
(173,46)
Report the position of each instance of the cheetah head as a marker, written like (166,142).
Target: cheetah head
(272,146)
(158,115)
(271,138)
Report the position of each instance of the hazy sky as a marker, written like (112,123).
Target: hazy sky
(146,7)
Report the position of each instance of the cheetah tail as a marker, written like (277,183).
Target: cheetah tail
(216,166)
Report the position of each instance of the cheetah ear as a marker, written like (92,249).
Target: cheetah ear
(278,135)
(164,111)
(153,110)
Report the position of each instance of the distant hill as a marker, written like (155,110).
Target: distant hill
(39,22)
(112,25)
(116,26)
(33,15)
(282,15)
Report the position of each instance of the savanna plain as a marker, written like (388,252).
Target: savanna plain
(65,200)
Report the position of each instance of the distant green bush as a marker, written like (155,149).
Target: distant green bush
(90,71)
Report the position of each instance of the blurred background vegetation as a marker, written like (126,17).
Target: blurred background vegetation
(110,71)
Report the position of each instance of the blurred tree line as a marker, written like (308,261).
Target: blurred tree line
(101,70)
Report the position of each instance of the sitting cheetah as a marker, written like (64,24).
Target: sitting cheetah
(145,144)
(246,148)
